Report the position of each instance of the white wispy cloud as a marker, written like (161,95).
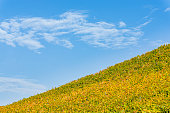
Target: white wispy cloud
(16,85)
(167,9)
(122,24)
(32,32)
(144,24)
(158,43)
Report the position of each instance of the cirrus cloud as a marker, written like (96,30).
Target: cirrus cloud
(32,32)
(167,9)
(15,85)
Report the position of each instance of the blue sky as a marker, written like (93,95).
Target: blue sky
(47,43)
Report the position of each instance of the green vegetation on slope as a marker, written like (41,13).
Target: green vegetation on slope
(141,84)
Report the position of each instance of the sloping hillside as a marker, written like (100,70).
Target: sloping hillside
(139,84)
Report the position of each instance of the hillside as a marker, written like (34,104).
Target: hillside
(139,84)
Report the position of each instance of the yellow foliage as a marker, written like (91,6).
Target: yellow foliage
(141,84)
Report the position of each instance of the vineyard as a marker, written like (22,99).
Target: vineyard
(141,84)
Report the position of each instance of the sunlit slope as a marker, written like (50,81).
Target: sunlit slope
(139,84)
